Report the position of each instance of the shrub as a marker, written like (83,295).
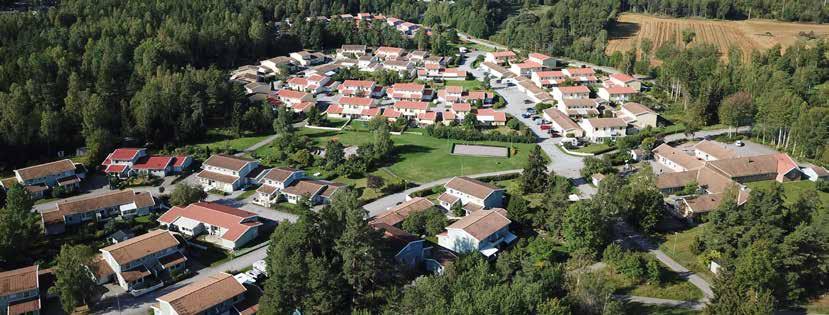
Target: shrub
(654,272)
(697,246)
(631,266)
(822,185)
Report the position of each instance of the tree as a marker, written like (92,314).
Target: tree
(19,226)
(315,118)
(73,281)
(374,182)
(302,158)
(457,209)
(334,155)
(470,121)
(584,229)
(282,124)
(594,165)
(363,264)
(382,145)
(654,272)
(519,210)
(736,109)
(534,175)
(427,222)
(184,194)
(688,36)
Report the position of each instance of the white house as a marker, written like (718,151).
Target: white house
(307,58)
(351,51)
(399,65)
(273,182)
(566,92)
(562,123)
(408,92)
(638,115)
(491,117)
(315,191)
(500,57)
(525,68)
(472,194)
(675,159)
(599,129)
(389,53)
(547,78)
(410,108)
(483,231)
(621,79)
(496,71)
(228,173)
(291,97)
(229,228)
(277,65)
(542,59)
(616,93)
(140,262)
(815,173)
(581,75)
(579,107)
(359,88)
(707,150)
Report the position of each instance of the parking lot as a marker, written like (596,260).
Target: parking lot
(517,104)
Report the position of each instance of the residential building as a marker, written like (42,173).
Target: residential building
(482,230)
(253,88)
(307,58)
(638,115)
(39,179)
(351,51)
(410,108)
(409,92)
(217,294)
(547,79)
(303,107)
(496,71)
(535,93)
(142,262)
(103,207)
(290,97)
(314,83)
(361,88)
(616,93)
(407,249)
(354,106)
(491,117)
(579,107)
(369,113)
(273,182)
(542,59)
(394,216)
(675,159)
(562,123)
(525,68)
(418,55)
(427,118)
(472,194)
(399,65)
(229,228)
(450,94)
(500,57)
(20,291)
(228,173)
(621,79)
(124,162)
(581,75)
(392,115)
(282,65)
(708,150)
(814,173)
(315,191)
(599,129)
(389,53)
(568,92)
(461,110)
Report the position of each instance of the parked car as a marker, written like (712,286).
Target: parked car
(526,115)
(528,102)
(739,143)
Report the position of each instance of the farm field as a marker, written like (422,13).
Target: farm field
(748,35)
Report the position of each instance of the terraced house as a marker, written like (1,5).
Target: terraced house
(482,230)
(125,203)
(227,227)
(20,291)
(218,294)
(472,194)
(273,182)
(39,179)
(145,261)
(228,173)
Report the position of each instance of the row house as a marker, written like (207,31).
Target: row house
(707,150)
(389,53)
(526,68)
(408,28)
(491,117)
(350,107)
(20,291)
(314,191)
(303,107)
(472,194)
(599,129)
(579,107)
(307,58)
(483,231)
(362,88)
(409,92)
(256,87)
(410,108)
(217,294)
(290,97)
(542,59)
(437,61)
(638,115)
(391,115)
(535,93)
(616,94)
(581,75)
(675,159)
(227,227)
(312,84)
(428,118)
(548,79)
(500,57)
(228,173)
(103,207)
(496,71)
(351,51)
(272,184)
(621,79)
(139,263)
(418,56)
(398,65)
(124,162)
(39,179)
(562,123)
(568,92)
(281,65)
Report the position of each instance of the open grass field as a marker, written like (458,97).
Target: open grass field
(421,158)
(792,190)
(222,138)
(748,35)
(677,246)
(674,287)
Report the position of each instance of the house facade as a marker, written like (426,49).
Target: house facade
(229,228)
(141,262)
(39,179)
(124,203)
(472,194)
(218,294)
(599,129)
(20,291)
(228,173)
(273,182)
(483,231)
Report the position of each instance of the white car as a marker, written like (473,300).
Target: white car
(739,143)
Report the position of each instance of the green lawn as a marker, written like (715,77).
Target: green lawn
(793,190)
(674,288)
(245,194)
(469,85)
(470,45)
(422,158)
(677,246)
(222,138)
(636,308)
(595,148)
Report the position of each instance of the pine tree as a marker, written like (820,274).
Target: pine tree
(358,246)
(73,283)
(534,175)
(19,226)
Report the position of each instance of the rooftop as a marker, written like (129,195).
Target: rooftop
(235,221)
(141,246)
(482,223)
(472,186)
(203,295)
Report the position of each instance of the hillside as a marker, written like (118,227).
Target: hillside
(749,35)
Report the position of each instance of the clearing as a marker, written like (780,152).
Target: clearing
(749,35)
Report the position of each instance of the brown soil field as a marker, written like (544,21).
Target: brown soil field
(748,35)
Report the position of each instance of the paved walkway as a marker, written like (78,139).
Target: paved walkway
(642,242)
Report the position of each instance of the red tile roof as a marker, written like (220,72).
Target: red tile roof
(115,168)
(621,90)
(178,161)
(503,53)
(334,109)
(496,116)
(291,94)
(217,215)
(153,163)
(622,77)
(124,154)
(370,111)
(411,87)
(200,296)
(18,280)
(141,246)
(461,107)
(482,223)
(356,101)
(574,89)
(356,83)
(581,71)
(411,105)
(391,113)
(433,116)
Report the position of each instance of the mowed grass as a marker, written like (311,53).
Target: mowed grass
(674,288)
(793,190)
(677,246)
(221,138)
(422,158)
(468,85)
(595,148)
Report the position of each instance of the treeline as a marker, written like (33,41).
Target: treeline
(803,10)
(294,9)
(783,95)
(567,28)
(479,18)
(316,34)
